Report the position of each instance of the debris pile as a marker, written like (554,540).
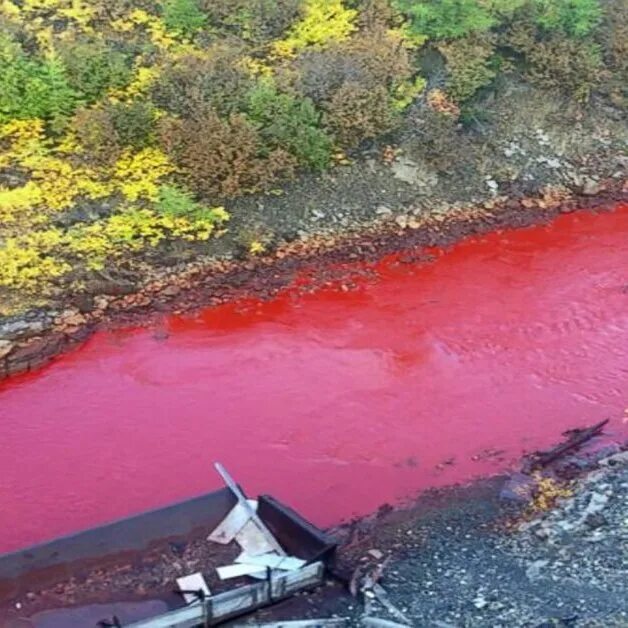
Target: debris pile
(274,572)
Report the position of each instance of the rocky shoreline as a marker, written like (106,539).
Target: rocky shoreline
(550,554)
(33,339)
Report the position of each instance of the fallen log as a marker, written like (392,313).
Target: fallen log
(576,438)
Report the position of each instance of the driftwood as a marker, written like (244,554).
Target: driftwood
(576,438)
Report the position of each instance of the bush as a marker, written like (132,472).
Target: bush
(557,61)
(324,22)
(255,20)
(183,17)
(177,202)
(444,19)
(93,68)
(192,83)
(223,158)
(470,64)
(575,18)
(134,123)
(374,59)
(374,14)
(97,136)
(107,10)
(32,88)
(284,121)
(356,113)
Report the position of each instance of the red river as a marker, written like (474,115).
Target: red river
(334,402)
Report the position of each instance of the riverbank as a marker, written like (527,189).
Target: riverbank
(533,155)
(468,557)
(551,553)
(32,340)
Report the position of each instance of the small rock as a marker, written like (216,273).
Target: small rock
(533,572)
(480,602)
(402,221)
(376,554)
(382,210)
(591,187)
(171,291)
(5,348)
(595,520)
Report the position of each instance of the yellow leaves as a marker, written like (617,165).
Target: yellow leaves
(256,247)
(23,139)
(9,9)
(153,25)
(407,91)
(547,492)
(256,67)
(78,12)
(30,261)
(17,200)
(408,37)
(25,260)
(135,229)
(143,79)
(324,21)
(220,214)
(138,174)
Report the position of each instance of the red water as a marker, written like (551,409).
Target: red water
(335,402)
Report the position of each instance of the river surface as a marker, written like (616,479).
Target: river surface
(335,402)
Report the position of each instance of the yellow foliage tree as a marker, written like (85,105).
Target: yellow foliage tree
(324,21)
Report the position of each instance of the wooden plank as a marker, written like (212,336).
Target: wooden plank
(240,600)
(245,504)
(285,584)
(252,540)
(239,570)
(287,563)
(193,582)
(187,617)
(227,529)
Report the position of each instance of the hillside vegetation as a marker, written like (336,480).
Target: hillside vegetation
(129,125)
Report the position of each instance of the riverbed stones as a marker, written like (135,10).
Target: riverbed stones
(5,348)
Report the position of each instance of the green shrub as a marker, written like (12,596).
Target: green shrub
(33,88)
(93,68)
(576,18)
(556,60)
(177,202)
(373,14)
(564,64)
(222,157)
(372,59)
(613,37)
(293,124)
(470,64)
(444,19)
(183,17)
